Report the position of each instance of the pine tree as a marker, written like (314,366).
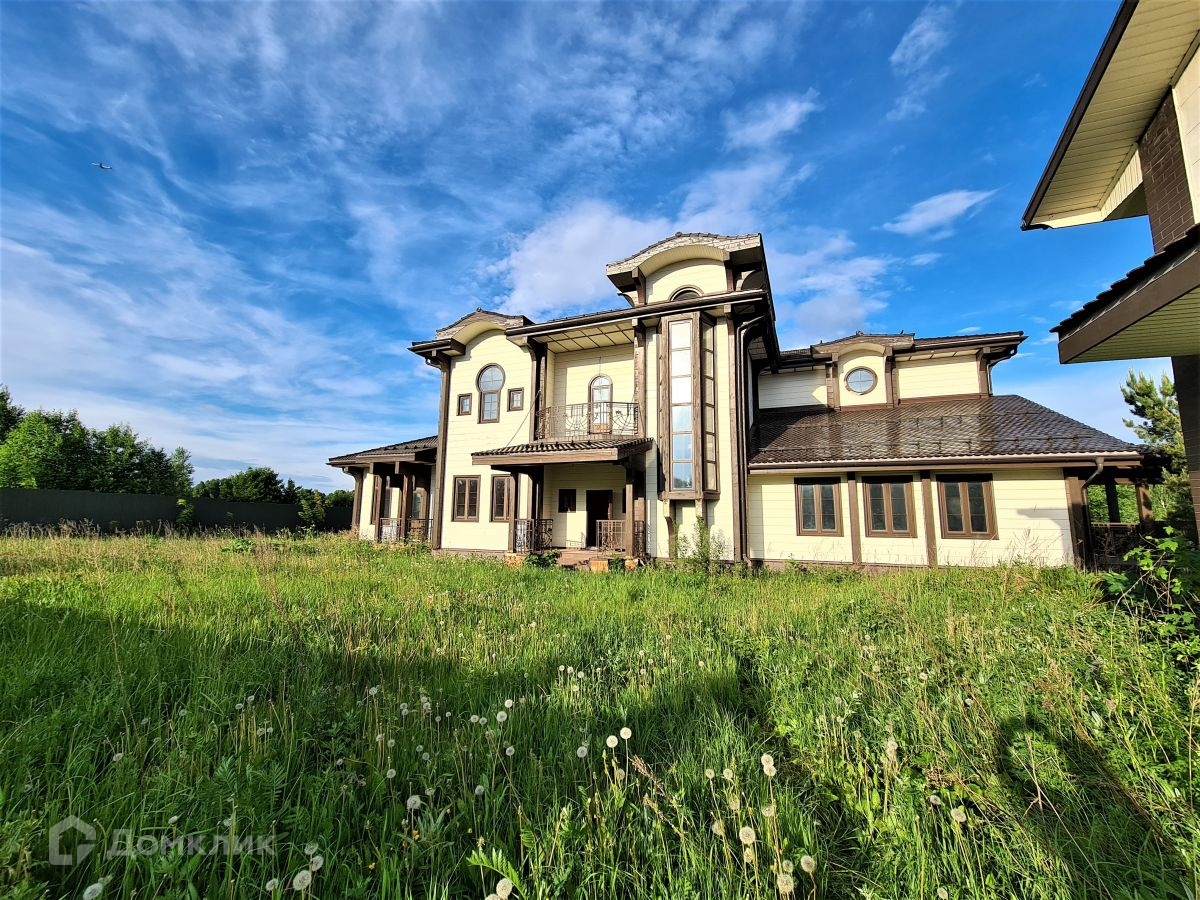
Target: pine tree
(1155,408)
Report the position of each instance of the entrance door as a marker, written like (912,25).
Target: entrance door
(599,506)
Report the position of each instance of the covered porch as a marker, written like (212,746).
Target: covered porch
(587,497)
(393,493)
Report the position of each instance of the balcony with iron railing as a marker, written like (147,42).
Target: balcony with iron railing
(602,420)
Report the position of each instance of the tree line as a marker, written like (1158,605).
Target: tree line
(51,449)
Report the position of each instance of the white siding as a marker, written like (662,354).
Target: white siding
(797,387)
(705,275)
(771,521)
(1032,520)
(571,528)
(466,435)
(1187,109)
(869,359)
(937,377)
(573,374)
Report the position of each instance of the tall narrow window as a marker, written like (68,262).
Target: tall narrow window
(680,371)
(967,506)
(466,498)
(817,506)
(491,380)
(888,502)
(600,405)
(502,497)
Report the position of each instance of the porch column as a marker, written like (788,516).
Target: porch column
(1145,508)
(1111,501)
(405,504)
(629,519)
(1187,391)
(356,509)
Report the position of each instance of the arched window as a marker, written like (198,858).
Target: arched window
(685,293)
(600,405)
(491,380)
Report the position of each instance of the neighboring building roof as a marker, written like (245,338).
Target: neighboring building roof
(1163,278)
(387,452)
(1136,66)
(977,428)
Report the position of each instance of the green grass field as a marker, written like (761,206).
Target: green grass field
(406,726)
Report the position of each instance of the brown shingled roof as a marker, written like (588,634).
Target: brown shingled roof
(971,428)
(388,451)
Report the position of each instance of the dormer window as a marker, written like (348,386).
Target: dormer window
(490,381)
(861,380)
(686,293)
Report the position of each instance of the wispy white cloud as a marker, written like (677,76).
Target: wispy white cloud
(935,216)
(914,61)
(764,122)
(970,329)
(924,259)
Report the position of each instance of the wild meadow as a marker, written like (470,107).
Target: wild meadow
(389,724)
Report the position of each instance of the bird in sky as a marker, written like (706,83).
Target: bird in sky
(102,166)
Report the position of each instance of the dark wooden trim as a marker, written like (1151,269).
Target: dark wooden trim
(738,419)
(989,503)
(817,481)
(602,454)
(437,499)
(855,528)
(509,509)
(639,374)
(466,517)
(356,509)
(1130,309)
(907,481)
(376,500)
(931,551)
(458,405)
(985,374)
(957,463)
(1144,505)
(629,507)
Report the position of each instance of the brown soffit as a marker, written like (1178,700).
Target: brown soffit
(1090,84)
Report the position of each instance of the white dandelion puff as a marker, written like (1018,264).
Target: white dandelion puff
(626,733)
(271,885)
(413,803)
(301,880)
(785,883)
(768,811)
(935,800)
(748,854)
(767,760)
(727,774)
(581,752)
(314,864)
(611,741)
(769,771)
(508,704)
(92,891)
(746,835)
(710,774)
(474,720)
(479,790)
(310,848)
(959,815)
(117,757)
(391,742)
(501,716)
(504,887)
(787,866)
(808,864)
(390,774)
(943,894)
(718,828)
(510,750)
(373,691)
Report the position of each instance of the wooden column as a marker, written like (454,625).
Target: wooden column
(855,532)
(1145,507)
(406,489)
(356,510)
(931,550)
(629,507)
(1077,507)
(1187,390)
(1112,502)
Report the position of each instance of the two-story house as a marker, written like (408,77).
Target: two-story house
(1131,147)
(612,432)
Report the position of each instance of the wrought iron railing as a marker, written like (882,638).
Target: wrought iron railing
(589,421)
(533,535)
(391,530)
(419,530)
(1112,540)
(611,537)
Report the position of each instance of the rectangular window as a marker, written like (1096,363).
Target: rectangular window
(817,506)
(502,497)
(887,503)
(566,500)
(489,406)
(681,362)
(466,498)
(516,399)
(464,404)
(967,506)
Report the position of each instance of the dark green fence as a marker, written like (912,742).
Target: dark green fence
(151,512)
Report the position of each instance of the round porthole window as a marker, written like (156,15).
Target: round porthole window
(860,380)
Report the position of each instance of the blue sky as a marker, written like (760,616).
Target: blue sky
(300,190)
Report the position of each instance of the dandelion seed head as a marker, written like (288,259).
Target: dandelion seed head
(420,748)
(508,704)
(373,691)
(746,835)
(117,757)
(959,815)
(935,800)
(727,774)
(768,811)
(626,733)
(391,742)
(413,803)
(787,866)
(943,894)
(710,774)
(310,849)
(314,864)
(767,760)
(501,716)
(769,771)
(504,887)
(581,752)
(610,741)
(92,891)
(390,774)
(271,885)
(748,854)
(808,864)
(785,883)
(718,828)
(479,789)
(474,720)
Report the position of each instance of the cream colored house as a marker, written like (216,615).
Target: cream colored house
(613,432)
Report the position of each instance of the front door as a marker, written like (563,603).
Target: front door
(599,506)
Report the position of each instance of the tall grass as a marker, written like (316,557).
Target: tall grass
(994,733)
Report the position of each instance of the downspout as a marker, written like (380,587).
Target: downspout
(741,417)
